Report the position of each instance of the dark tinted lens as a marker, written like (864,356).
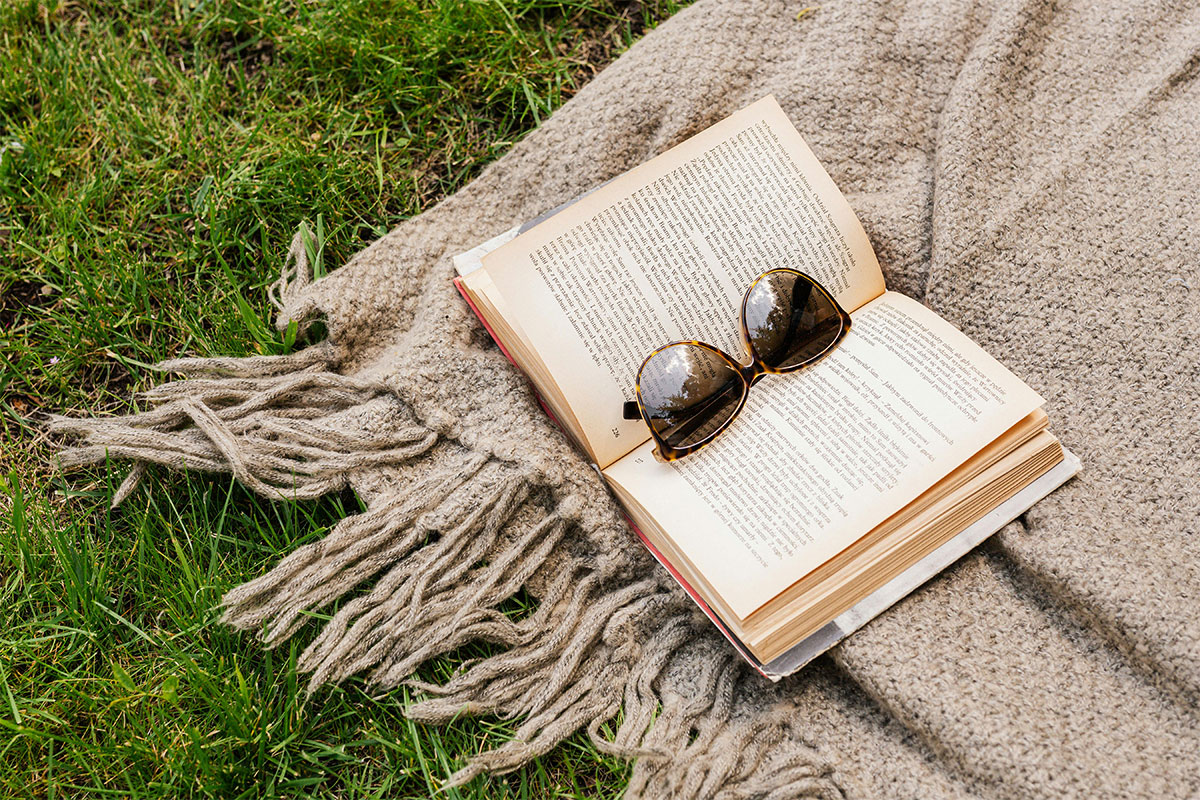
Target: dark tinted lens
(689,392)
(789,320)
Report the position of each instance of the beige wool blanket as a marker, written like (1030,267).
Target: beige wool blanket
(1030,170)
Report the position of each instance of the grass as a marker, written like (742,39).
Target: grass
(155,158)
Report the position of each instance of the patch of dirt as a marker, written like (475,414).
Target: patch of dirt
(251,55)
(18,296)
(234,50)
(605,36)
(23,404)
(110,376)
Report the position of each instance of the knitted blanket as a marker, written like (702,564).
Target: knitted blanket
(1029,170)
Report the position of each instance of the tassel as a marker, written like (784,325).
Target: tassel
(290,435)
(366,629)
(355,550)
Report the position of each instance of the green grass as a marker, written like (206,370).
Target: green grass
(155,158)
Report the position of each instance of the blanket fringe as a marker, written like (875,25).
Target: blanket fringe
(354,551)
(269,420)
(576,675)
(411,608)
(435,564)
(716,754)
(688,743)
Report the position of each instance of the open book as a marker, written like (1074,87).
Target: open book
(835,482)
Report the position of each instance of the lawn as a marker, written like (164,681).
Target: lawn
(155,159)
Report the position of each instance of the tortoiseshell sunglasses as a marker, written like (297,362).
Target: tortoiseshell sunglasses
(688,392)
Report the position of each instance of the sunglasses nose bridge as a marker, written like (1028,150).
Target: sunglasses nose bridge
(753,372)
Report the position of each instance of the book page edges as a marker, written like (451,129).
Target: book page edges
(919,573)
(898,557)
(952,484)
(892,592)
(823,600)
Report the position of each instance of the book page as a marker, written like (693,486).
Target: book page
(819,457)
(666,252)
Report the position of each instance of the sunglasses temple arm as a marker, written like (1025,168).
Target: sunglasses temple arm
(630,410)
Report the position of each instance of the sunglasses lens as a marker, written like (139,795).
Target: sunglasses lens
(789,320)
(689,393)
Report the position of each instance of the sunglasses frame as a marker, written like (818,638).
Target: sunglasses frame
(750,373)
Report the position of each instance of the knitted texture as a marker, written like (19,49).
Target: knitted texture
(1028,170)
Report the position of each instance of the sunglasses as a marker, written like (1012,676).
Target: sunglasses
(688,392)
